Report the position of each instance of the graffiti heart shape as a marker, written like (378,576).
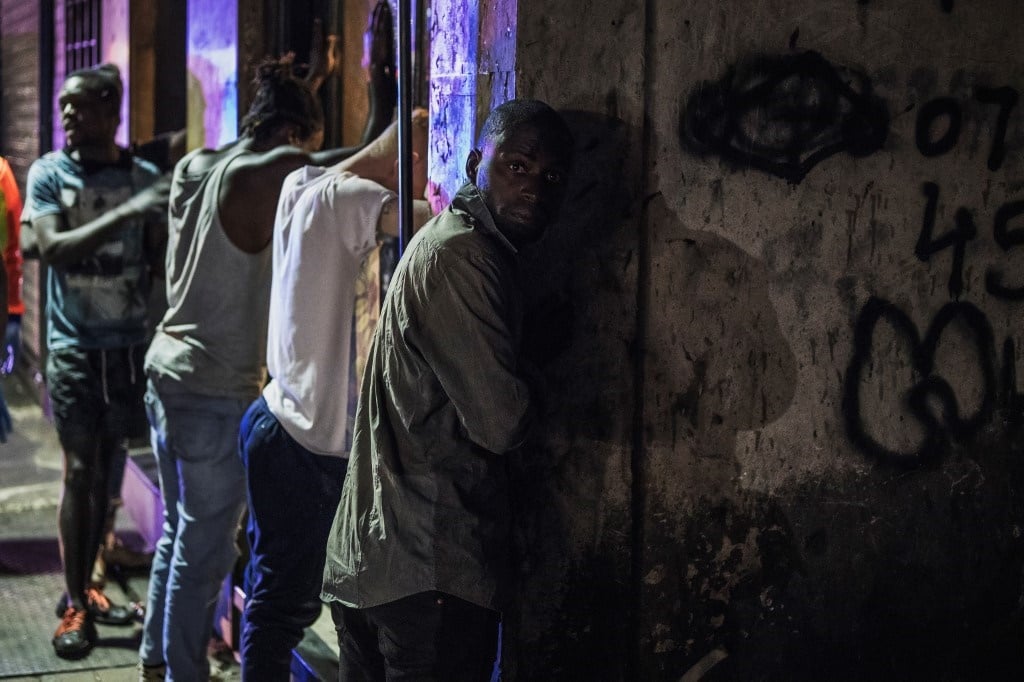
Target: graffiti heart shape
(941,429)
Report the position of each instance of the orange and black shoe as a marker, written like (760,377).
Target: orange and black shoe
(100,608)
(105,611)
(76,635)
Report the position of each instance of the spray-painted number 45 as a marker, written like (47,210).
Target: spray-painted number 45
(948,110)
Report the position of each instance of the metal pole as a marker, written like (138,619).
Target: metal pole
(405,95)
(46,67)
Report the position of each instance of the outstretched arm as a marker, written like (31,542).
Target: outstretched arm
(387,224)
(379,61)
(58,246)
(252,185)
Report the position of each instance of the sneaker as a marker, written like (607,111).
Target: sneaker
(106,611)
(100,608)
(76,635)
(152,673)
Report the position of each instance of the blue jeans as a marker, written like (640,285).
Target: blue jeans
(293,496)
(195,439)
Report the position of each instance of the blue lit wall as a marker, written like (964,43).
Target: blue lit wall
(212,72)
(472,69)
(454,28)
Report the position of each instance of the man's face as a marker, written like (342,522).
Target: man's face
(522,178)
(87,119)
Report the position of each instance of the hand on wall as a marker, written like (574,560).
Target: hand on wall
(324,57)
(379,61)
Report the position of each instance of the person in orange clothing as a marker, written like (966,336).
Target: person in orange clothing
(5,415)
(10,273)
(10,228)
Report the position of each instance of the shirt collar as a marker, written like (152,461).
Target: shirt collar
(469,200)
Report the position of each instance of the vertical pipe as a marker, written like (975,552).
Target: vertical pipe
(334,103)
(97,34)
(404,124)
(46,67)
(69,37)
(419,95)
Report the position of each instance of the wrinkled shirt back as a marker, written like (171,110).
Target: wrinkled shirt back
(425,502)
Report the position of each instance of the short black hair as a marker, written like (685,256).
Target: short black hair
(104,81)
(517,112)
(281,98)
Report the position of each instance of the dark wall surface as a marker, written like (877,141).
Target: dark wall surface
(781,328)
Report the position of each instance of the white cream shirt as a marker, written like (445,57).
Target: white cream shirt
(326,224)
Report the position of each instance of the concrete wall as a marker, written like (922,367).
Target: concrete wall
(19,77)
(780,328)
(20,110)
(116,44)
(158,69)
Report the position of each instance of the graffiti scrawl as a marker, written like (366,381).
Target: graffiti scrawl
(932,400)
(785,114)
(947,112)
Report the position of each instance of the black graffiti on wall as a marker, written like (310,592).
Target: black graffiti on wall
(932,400)
(1006,238)
(963,231)
(940,120)
(928,244)
(937,132)
(785,114)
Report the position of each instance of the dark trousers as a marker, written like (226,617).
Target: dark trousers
(293,495)
(430,636)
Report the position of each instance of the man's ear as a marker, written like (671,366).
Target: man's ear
(472,164)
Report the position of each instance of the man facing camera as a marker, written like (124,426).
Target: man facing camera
(418,558)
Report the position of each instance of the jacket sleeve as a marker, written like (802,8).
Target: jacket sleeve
(469,338)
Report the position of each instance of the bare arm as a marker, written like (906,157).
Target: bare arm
(387,224)
(58,246)
(252,185)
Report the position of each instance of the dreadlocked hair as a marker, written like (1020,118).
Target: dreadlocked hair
(281,98)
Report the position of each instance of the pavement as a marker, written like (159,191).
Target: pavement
(30,573)
(30,485)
